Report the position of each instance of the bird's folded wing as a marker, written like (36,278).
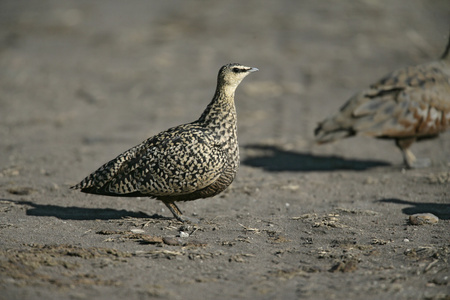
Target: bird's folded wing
(418,104)
(181,164)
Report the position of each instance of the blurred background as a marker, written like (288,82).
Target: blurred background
(82,81)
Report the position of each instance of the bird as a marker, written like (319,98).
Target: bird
(183,163)
(407,105)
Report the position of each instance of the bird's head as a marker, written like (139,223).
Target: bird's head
(232,74)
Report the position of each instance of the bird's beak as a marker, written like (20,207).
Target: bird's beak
(253,70)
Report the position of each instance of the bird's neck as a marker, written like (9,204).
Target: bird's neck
(221,111)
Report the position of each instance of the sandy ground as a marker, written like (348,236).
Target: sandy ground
(82,81)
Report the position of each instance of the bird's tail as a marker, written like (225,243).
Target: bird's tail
(330,130)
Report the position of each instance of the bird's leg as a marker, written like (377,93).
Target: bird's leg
(178,214)
(175,210)
(409,158)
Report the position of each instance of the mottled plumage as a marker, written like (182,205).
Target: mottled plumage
(186,162)
(407,105)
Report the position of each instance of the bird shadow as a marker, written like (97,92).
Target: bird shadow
(275,159)
(80,213)
(441,210)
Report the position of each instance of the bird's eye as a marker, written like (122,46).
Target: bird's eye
(236,70)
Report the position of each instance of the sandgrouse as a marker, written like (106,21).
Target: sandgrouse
(407,105)
(186,162)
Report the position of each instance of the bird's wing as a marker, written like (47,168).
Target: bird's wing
(171,163)
(408,102)
(109,170)
(413,101)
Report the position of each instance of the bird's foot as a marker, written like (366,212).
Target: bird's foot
(179,215)
(412,162)
(186,219)
(419,163)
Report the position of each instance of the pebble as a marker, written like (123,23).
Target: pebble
(184,234)
(22,190)
(370,180)
(423,218)
(171,241)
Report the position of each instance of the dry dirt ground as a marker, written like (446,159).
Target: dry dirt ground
(82,81)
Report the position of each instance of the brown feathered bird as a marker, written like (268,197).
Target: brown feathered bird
(186,162)
(407,105)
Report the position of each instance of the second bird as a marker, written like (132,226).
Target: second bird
(186,162)
(407,105)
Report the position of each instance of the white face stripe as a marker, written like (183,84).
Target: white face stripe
(241,69)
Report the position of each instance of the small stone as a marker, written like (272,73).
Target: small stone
(22,191)
(171,241)
(423,218)
(135,230)
(370,180)
(184,234)
(148,239)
